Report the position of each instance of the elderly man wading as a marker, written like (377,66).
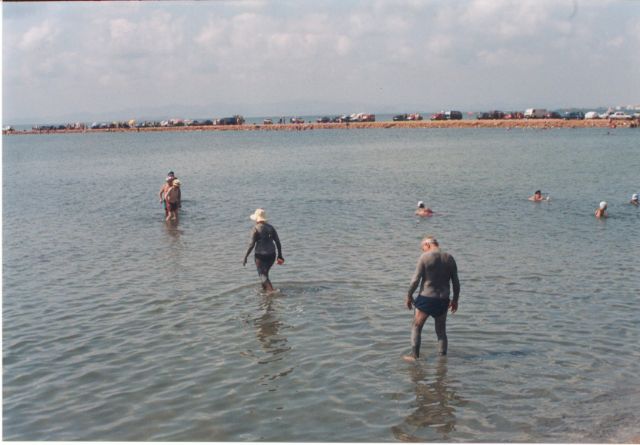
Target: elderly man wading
(434,271)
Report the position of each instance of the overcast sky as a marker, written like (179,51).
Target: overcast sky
(73,61)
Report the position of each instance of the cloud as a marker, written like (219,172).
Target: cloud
(39,36)
(247,51)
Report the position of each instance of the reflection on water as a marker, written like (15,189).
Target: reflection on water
(436,399)
(273,343)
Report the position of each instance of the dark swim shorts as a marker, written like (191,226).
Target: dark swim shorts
(432,306)
(172,206)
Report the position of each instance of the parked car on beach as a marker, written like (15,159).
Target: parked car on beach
(453,115)
(592,115)
(491,115)
(535,113)
(438,117)
(408,117)
(552,115)
(573,115)
(620,115)
(234,120)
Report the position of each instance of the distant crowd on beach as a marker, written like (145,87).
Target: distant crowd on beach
(435,276)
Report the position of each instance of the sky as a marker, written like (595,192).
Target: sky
(81,61)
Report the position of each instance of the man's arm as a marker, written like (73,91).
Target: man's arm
(415,281)
(252,243)
(456,286)
(278,245)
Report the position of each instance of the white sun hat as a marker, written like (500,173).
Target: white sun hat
(259,215)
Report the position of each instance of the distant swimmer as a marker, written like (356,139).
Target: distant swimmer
(537,196)
(601,211)
(266,242)
(634,200)
(423,211)
(172,198)
(434,271)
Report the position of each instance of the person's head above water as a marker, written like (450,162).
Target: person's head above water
(603,205)
(170,178)
(171,174)
(634,197)
(538,192)
(259,215)
(420,205)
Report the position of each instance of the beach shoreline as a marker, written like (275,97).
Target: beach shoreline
(501,123)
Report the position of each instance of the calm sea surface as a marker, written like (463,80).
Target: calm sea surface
(117,326)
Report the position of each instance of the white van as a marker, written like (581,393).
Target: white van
(535,113)
(592,115)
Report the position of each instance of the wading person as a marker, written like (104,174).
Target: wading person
(163,192)
(172,198)
(267,247)
(434,273)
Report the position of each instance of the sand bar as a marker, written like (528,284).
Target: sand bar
(469,123)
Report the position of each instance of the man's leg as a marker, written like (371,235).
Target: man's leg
(441,332)
(416,334)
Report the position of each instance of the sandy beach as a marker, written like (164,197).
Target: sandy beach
(504,123)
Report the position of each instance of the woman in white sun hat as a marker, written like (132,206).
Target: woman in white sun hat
(265,240)
(601,211)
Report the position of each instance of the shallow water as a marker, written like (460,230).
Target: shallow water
(117,326)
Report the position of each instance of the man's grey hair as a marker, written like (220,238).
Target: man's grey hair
(430,239)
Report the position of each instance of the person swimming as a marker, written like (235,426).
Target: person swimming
(537,196)
(634,200)
(422,210)
(601,211)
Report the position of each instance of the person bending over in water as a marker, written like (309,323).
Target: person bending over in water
(173,200)
(601,211)
(163,191)
(265,240)
(537,196)
(634,200)
(422,210)
(434,271)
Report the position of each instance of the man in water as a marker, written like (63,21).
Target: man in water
(172,198)
(537,196)
(634,200)
(165,188)
(434,271)
(265,240)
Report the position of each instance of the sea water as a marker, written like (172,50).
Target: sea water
(118,326)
